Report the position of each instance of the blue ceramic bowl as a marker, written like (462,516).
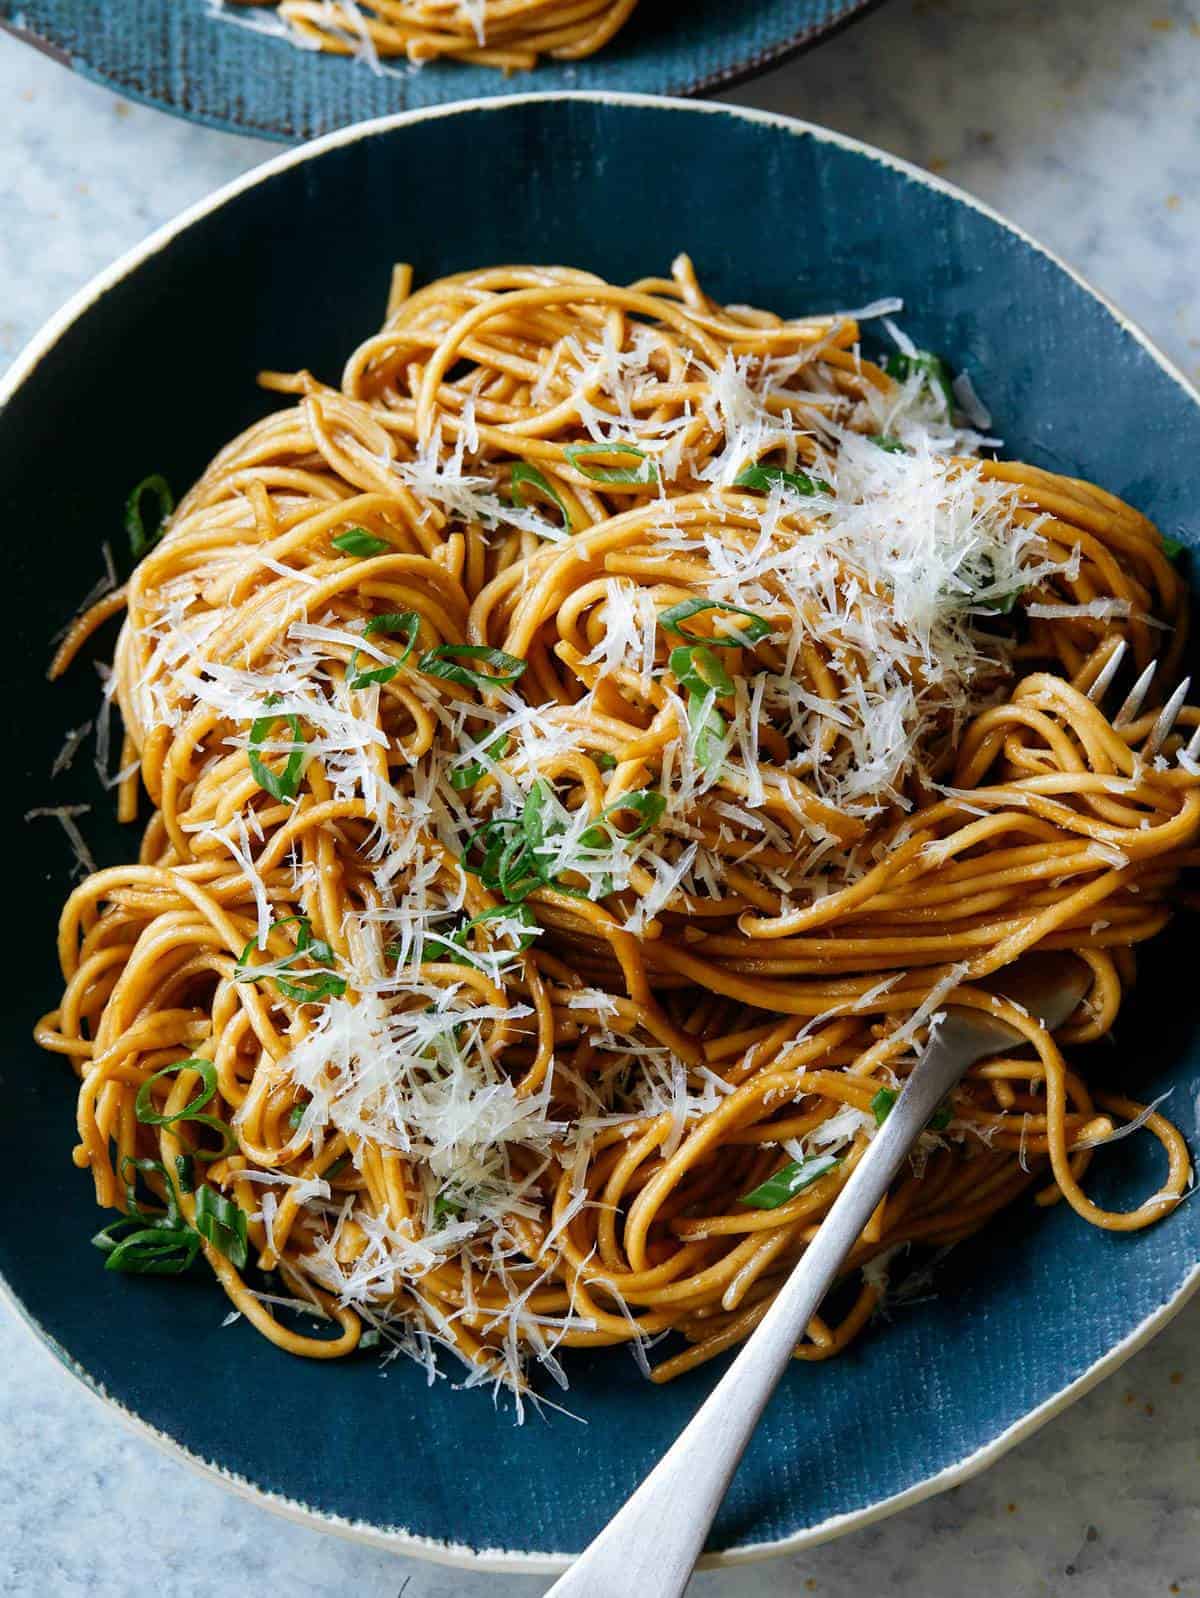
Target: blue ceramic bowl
(175,54)
(152,368)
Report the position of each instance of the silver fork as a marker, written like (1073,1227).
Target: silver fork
(1130,707)
(650,1547)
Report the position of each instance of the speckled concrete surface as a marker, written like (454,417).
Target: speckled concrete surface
(1080,119)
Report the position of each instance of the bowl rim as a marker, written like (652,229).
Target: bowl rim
(398,1540)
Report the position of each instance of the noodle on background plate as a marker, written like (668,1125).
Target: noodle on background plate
(588,750)
(510,35)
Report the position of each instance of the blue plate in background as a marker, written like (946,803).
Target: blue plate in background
(152,369)
(177,55)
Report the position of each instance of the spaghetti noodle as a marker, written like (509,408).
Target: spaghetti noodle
(588,749)
(510,35)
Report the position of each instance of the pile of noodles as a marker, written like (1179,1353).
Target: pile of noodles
(506,975)
(510,35)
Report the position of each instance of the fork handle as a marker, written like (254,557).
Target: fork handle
(653,1543)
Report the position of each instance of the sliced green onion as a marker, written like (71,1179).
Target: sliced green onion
(358,541)
(446,1207)
(580,454)
(764,478)
(308,990)
(185,1173)
(336,1169)
(520,870)
(511,912)
(492,850)
(698,669)
(603,760)
(523,472)
(322,984)
(467,776)
(160,1219)
(646,803)
(709,729)
(305,989)
(279,784)
(932,368)
(370,1339)
(146,1251)
(296,1114)
(1002,604)
(406,624)
(887,442)
(245,972)
(881,1105)
(533,820)
(443,662)
(505,853)
(146,1113)
(941,1117)
(791,1179)
(223,1223)
(674,618)
(141,536)
(883,1101)
(1173,547)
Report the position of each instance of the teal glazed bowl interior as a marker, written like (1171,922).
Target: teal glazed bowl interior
(179,55)
(152,369)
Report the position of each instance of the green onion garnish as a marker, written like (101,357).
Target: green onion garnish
(158,1218)
(511,912)
(358,541)
(791,1179)
(881,1105)
(336,1169)
(144,1250)
(443,662)
(1173,547)
(746,638)
(141,536)
(646,803)
(709,730)
(185,1173)
(404,623)
(603,760)
(305,989)
(223,1223)
(467,776)
(279,784)
(580,454)
(149,1242)
(764,478)
(146,1113)
(887,442)
(446,1208)
(699,670)
(1003,604)
(296,1114)
(522,866)
(506,852)
(941,1117)
(883,1101)
(490,849)
(932,368)
(523,472)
